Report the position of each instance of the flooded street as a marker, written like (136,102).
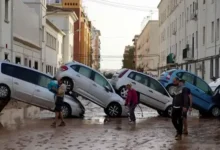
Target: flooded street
(24,127)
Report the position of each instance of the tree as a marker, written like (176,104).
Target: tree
(128,59)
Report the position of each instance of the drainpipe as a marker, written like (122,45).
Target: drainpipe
(12,29)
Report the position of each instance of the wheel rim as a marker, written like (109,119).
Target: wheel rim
(65,111)
(3,91)
(171,90)
(123,92)
(68,84)
(216,111)
(113,110)
(169,111)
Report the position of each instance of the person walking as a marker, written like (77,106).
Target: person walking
(131,102)
(59,103)
(180,104)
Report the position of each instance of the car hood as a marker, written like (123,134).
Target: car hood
(118,98)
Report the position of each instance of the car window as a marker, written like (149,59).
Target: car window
(202,85)
(20,73)
(155,85)
(188,77)
(101,80)
(85,71)
(43,80)
(141,79)
(131,75)
(179,74)
(75,67)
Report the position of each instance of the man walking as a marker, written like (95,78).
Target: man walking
(180,104)
(59,103)
(131,102)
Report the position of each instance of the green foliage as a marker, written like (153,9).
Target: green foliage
(128,59)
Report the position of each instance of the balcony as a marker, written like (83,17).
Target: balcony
(188,53)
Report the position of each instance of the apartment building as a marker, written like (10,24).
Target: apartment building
(135,46)
(6,20)
(189,36)
(147,48)
(95,43)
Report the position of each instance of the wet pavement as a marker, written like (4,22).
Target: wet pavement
(24,127)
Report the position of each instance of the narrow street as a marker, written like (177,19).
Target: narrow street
(28,128)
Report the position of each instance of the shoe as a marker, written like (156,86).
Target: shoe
(53,125)
(62,124)
(179,137)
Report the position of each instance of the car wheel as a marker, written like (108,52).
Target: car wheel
(123,92)
(171,89)
(114,110)
(215,111)
(161,113)
(69,84)
(169,111)
(4,91)
(66,110)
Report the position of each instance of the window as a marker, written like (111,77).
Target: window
(6,57)
(141,79)
(17,60)
(51,41)
(217,31)
(202,85)
(101,81)
(212,1)
(212,36)
(216,67)
(36,65)
(131,75)
(187,17)
(191,10)
(6,10)
(155,85)
(211,67)
(196,39)
(203,1)
(25,62)
(188,78)
(183,19)
(75,67)
(204,35)
(30,63)
(85,71)
(43,80)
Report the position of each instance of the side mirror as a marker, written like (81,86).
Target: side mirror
(107,89)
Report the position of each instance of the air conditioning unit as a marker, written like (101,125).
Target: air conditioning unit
(194,16)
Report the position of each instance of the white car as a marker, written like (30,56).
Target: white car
(93,86)
(214,84)
(30,86)
(150,91)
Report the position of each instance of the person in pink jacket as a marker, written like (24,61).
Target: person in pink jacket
(131,102)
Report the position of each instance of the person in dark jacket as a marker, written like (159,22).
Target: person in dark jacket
(180,104)
(131,102)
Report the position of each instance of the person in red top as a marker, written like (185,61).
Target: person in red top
(131,102)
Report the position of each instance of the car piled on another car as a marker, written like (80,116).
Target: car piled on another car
(150,92)
(93,86)
(30,86)
(201,92)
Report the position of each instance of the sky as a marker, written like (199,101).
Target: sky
(118,21)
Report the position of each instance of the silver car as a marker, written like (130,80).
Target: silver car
(30,86)
(150,91)
(93,86)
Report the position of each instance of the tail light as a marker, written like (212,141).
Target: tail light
(169,75)
(121,75)
(63,68)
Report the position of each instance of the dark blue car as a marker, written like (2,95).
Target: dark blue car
(203,98)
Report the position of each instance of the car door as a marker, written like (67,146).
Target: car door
(158,93)
(203,94)
(83,81)
(42,96)
(98,91)
(24,81)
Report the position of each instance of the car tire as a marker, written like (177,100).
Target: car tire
(4,92)
(161,113)
(215,111)
(169,111)
(69,84)
(169,89)
(113,110)
(66,110)
(123,92)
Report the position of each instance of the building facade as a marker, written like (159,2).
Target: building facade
(64,20)
(95,41)
(135,46)
(189,36)
(6,37)
(147,48)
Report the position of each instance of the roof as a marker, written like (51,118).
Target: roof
(159,4)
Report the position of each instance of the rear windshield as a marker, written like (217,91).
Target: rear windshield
(120,71)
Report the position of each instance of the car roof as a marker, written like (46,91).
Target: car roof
(19,65)
(140,73)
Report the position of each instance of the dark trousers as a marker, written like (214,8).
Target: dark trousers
(177,120)
(131,112)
